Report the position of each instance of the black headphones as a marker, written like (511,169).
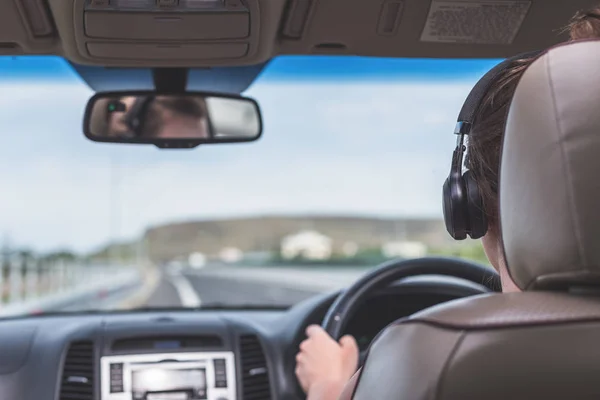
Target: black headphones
(463,205)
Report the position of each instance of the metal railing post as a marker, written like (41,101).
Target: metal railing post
(22,265)
(4,280)
(42,281)
(15,281)
(32,278)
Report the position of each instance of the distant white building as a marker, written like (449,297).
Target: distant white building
(310,245)
(231,254)
(404,249)
(197,260)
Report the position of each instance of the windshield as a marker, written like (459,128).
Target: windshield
(348,174)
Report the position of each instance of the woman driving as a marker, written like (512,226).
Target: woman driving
(325,366)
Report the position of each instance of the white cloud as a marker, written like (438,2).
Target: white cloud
(336,148)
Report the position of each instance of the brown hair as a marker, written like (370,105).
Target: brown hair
(584,24)
(485,140)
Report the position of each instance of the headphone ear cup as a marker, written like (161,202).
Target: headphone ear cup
(477,222)
(455,206)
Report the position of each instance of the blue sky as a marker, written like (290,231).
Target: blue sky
(343,135)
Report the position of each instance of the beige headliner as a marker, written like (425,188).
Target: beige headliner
(342,26)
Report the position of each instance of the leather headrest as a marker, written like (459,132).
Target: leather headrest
(550,172)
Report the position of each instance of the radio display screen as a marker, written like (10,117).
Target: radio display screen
(155,383)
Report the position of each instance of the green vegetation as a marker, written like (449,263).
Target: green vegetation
(469,250)
(332,262)
(370,257)
(364,258)
(63,255)
(123,252)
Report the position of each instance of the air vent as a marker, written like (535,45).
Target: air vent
(78,372)
(167,343)
(255,374)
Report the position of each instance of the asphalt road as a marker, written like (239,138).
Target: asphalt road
(214,284)
(246,285)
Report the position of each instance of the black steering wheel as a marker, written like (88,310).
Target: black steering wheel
(344,306)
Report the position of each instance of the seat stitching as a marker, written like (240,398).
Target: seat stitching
(566,170)
(446,367)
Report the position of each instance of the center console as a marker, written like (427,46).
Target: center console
(169,376)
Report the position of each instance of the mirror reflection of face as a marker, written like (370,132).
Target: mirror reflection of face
(178,127)
(116,120)
(182,117)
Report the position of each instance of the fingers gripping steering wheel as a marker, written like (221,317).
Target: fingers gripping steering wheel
(344,306)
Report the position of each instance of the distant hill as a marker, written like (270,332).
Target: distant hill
(265,233)
(123,251)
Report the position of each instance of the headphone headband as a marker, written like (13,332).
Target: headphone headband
(476,95)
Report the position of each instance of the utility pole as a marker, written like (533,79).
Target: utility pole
(4,268)
(114,204)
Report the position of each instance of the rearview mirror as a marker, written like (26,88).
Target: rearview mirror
(181,120)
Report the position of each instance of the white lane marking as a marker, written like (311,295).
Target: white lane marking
(187,295)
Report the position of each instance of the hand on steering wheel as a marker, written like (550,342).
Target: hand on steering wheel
(322,357)
(323,354)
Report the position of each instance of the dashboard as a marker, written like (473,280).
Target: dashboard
(189,355)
